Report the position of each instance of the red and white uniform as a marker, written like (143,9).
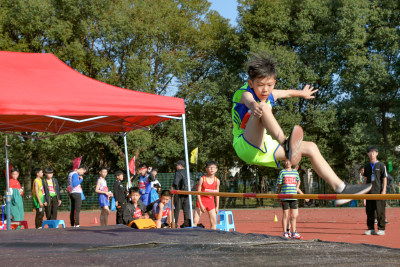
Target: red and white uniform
(208,201)
(138,213)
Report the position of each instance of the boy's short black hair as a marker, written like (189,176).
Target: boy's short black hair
(103,168)
(362,167)
(118,173)
(14,170)
(372,148)
(83,166)
(37,170)
(165,193)
(261,66)
(48,170)
(143,165)
(134,189)
(211,162)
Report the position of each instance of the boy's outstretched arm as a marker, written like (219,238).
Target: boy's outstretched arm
(307,93)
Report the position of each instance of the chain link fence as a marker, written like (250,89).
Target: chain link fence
(239,185)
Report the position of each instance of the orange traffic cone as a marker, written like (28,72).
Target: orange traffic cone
(95,220)
(276,218)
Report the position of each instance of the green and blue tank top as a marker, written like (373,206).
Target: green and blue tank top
(240,112)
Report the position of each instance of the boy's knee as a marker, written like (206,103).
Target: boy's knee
(265,107)
(310,147)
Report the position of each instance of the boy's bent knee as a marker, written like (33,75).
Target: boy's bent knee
(309,148)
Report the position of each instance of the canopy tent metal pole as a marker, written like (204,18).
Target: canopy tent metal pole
(127,161)
(8,193)
(187,167)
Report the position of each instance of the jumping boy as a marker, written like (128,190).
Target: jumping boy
(38,197)
(257,137)
(288,183)
(162,210)
(208,183)
(104,196)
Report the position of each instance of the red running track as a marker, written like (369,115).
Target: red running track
(331,224)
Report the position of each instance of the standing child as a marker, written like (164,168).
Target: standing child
(74,188)
(257,137)
(162,210)
(288,183)
(52,198)
(208,183)
(120,196)
(375,173)
(104,196)
(17,204)
(38,197)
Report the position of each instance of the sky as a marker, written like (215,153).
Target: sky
(226,8)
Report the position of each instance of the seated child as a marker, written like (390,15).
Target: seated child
(134,209)
(208,183)
(257,136)
(162,210)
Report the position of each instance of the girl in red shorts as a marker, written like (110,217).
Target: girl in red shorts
(208,183)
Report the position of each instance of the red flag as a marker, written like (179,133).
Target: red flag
(76,162)
(9,169)
(132,165)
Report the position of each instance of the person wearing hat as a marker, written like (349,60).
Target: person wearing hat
(52,199)
(181,183)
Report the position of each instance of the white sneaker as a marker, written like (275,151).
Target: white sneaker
(369,232)
(76,225)
(380,232)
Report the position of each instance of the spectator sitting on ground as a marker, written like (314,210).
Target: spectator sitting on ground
(162,210)
(134,209)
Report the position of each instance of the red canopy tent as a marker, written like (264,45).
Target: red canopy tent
(40,93)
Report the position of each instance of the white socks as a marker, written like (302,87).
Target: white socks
(340,188)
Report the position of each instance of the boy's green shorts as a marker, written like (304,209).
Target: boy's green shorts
(253,155)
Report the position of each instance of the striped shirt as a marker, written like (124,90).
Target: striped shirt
(288,180)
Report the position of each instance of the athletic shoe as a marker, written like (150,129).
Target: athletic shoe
(292,145)
(286,235)
(296,235)
(380,232)
(386,222)
(369,232)
(376,221)
(76,225)
(354,189)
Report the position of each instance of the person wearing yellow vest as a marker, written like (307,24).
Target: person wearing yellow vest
(52,199)
(38,197)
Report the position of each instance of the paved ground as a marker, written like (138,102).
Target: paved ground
(331,224)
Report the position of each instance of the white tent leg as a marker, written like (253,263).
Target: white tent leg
(127,161)
(187,167)
(8,192)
